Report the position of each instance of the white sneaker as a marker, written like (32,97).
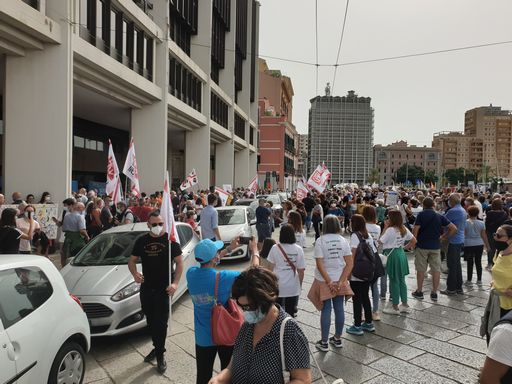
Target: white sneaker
(404,309)
(391,311)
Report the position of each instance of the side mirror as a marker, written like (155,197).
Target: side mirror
(253,222)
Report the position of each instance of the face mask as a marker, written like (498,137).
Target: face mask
(195,217)
(47,198)
(156,230)
(28,215)
(500,245)
(253,317)
(119,212)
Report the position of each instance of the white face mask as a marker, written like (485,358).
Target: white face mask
(195,217)
(156,230)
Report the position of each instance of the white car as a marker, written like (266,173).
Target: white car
(44,333)
(236,221)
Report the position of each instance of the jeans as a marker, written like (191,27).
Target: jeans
(264,231)
(384,284)
(375,296)
(308,220)
(317,225)
(155,305)
(473,255)
(289,304)
(361,300)
(492,248)
(339,316)
(205,357)
(454,280)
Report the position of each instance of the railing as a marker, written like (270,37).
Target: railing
(219,110)
(184,85)
(239,126)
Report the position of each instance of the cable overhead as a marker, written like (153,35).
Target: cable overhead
(339,46)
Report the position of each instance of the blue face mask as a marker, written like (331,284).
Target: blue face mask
(253,317)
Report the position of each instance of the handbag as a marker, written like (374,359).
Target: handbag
(226,320)
(292,266)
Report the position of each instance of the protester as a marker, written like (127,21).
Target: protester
(263,215)
(25,224)
(210,220)
(75,233)
(152,249)
(317,217)
(498,363)
(46,198)
(295,220)
(93,221)
(124,214)
(10,236)
(16,198)
(495,217)
(256,354)
(475,238)
(370,216)
(287,261)
(142,210)
(502,268)
(309,204)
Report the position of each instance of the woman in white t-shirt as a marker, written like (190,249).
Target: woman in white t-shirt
(286,260)
(295,220)
(370,215)
(333,266)
(393,238)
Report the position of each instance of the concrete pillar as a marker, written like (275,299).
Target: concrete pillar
(242,176)
(197,155)
(224,163)
(38,115)
(253,165)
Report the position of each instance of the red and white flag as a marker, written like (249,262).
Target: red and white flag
(253,185)
(167,212)
(190,181)
(113,186)
(320,178)
(223,195)
(302,190)
(130,170)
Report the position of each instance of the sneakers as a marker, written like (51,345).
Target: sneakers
(368,327)
(161,364)
(376,316)
(468,283)
(336,343)
(383,298)
(391,311)
(447,292)
(353,330)
(459,291)
(479,283)
(150,356)
(418,295)
(322,346)
(404,309)
(433,296)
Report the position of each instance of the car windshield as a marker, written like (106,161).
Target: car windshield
(231,216)
(108,249)
(275,199)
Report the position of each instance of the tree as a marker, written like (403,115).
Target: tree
(430,177)
(455,175)
(409,173)
(374,176)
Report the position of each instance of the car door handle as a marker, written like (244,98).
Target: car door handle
(11,354)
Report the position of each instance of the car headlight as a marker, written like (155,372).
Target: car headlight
(129,290)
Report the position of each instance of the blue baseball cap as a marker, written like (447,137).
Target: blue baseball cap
(206,250)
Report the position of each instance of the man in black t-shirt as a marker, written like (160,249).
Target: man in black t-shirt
(153,251)
(309,204)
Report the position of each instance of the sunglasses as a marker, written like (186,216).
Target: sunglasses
(245,307)
(498,236)
(156,224)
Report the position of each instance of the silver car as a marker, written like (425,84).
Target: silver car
(99,276)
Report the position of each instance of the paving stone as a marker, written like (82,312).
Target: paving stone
(439,321)
(105,348)
(183,315)
(185,341)
(129,368)
(472,330)
(341,367)
(447,368)
(447,301)
(93,371)
(396,334)
(393,348)
(407,372)
(100,381)
(479,301)
(181,367)
(477,344)
(424,329)
(383,379)
(451,352)
(358,352)
(454,314)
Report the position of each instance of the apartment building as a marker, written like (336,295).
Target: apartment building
(278,139)
(303,155)
(179,76)
(341,135)
(389,158)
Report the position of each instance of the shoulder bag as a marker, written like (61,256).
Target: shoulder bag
(292,266)
(226,320)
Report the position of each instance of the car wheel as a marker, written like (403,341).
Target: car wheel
(69,365)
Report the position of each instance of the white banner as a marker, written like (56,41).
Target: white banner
(302,190)
(223,195)
(190,181)
(253,186)
(320,178)
(168,213)
(113,185)
(130,170)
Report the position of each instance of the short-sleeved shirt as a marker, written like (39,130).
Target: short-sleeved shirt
(392,238)
(473,233)
(289,283)
(209,222)
(106,217)
(354,243)
(457,215)
(9,240)
(300,238)
(500,345)
(332,248)
(73,222)
(201,287)
(374,231)
(336,211)
(262,364)
(24,225)
(262,214)
(431,226)
(154,256)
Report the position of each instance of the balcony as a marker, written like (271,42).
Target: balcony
(184,85)
(219,110)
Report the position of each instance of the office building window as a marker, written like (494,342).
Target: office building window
(184,85)
(183,22)
(239,126)
(219,110)
(220,25)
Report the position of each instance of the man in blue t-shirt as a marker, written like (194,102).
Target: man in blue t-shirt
(457,215)
(428,228)
(201,286)
(263,222)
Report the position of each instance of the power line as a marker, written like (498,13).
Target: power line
(339,47)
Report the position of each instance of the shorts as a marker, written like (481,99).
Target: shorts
(425,257)
(264,231)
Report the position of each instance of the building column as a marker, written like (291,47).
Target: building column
(224,163)
(197,155)
(253,165)
(38,116)
(242,175)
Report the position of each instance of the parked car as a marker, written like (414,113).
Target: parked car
(44,333)
(284,196)
(277,207)
(236,221)
(99,276)
(251,203)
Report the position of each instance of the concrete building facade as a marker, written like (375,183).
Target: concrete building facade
(179,76)
(389,158)
(303,155)
(341,135)
(278,139)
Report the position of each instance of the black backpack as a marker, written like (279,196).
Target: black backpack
(367,263)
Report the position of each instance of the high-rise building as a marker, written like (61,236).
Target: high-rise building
(278,138)
(303,155)
(389,158)
(180,77)
(484,146)
(341,135)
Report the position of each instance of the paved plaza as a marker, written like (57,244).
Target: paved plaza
(436,343)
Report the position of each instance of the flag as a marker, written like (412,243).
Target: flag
(253,185)
(130,170)
(319,178)
(168,213)
(223,195)
(190,181)
(302,190)
(113,186)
